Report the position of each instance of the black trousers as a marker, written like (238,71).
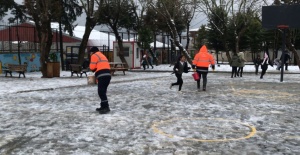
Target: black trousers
(286,66)
(179,81)
(233,71)
(204,76)
(149,64)
(256,69)
(144,66)
(103,83)
(240,71)
(263,72)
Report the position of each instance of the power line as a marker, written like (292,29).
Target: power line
(199,22)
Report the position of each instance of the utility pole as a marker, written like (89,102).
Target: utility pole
(283,31)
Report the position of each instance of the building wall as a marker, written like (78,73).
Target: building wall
(31,59)
(132,56)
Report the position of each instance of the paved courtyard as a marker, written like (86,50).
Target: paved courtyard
(248,116)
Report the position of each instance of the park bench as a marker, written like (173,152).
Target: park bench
(77,69)
(117,66)
(21,69)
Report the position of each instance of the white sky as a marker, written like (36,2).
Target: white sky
(199,19)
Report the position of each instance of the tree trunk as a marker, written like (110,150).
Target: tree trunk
(89,26)
(292,48)
(237,48)
(153,56)
(45,47)
(173,51)
(187,37)
(121,47)
(226,48)
(152,52)
(175,37)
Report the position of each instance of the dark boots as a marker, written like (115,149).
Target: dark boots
(103,110)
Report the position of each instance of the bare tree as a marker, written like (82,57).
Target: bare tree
(5,6)
(42,13)
(240,13)
(189,10)
(118,14)
(92,17)
(291,33)
(162,8)
(209,8)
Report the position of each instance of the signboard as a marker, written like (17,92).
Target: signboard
(274,16)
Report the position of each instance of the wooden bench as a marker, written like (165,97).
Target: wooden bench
(21,69)
(77,69)
(117,66)
(113,70)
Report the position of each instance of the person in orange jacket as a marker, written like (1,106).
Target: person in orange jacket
(201,62)
(100,65)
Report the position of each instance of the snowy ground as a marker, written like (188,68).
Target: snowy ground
(244,115)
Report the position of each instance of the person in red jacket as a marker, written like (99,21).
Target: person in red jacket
(201,62)
(100,65)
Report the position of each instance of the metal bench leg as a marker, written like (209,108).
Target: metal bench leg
(10,72)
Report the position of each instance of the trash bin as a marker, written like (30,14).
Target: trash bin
(56,69)
(49,70)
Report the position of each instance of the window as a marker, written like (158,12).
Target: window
(137,53)
(126,51)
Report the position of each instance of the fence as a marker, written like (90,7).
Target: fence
(73,51)
(14,38)
(21,38)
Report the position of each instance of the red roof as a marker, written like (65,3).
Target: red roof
(27,32)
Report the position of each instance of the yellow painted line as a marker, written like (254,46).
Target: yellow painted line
(6,139)
(232,88)
(258,93)
(159,131)
(231,85)
(292,137)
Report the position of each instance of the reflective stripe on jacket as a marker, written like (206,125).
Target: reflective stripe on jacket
(99,62)
(203,58)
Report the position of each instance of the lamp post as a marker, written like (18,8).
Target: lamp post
(61,39)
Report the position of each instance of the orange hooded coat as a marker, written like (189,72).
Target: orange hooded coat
(203,58)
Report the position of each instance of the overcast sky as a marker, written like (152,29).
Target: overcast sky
(199,19)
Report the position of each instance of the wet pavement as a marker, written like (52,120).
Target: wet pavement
(248,116)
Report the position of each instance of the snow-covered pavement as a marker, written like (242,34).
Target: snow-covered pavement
(244,115)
